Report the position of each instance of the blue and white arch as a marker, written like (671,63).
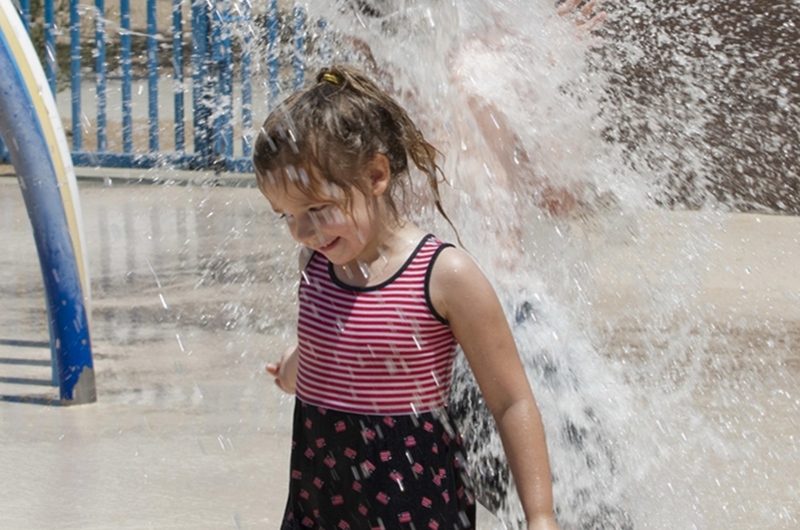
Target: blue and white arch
(33,133)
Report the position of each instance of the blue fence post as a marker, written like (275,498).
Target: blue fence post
(50,63)
(247,86)
(152,74)
(75,73)
(25,14)
(324,45)
(273,51)
(127,77)
(222,59)
(200,105)
(299,45)
(100,74)
(177,58)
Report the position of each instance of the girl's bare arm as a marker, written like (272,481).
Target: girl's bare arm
(462,294)
(285,369)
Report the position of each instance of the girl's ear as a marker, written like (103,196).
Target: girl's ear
(379,174)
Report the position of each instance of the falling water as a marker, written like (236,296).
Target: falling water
(669,398)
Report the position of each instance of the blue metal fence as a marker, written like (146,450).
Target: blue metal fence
(217,44)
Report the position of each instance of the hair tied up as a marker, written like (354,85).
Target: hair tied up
(330,78)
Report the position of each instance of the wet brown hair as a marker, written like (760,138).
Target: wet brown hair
(325,134)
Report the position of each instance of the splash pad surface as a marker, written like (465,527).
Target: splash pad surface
(190,302)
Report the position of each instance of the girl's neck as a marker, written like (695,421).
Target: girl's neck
(381,260)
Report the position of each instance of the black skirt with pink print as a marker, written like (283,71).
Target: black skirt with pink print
(353,471)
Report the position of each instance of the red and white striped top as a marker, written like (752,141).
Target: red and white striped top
(374,350)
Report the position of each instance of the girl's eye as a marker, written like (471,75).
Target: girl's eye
(318,208)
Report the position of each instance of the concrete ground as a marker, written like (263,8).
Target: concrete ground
(192,293)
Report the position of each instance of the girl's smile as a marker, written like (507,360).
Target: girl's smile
(329,246)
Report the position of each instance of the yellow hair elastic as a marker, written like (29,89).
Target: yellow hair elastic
(331,78)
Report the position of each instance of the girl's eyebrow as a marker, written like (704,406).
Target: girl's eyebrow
(306,202)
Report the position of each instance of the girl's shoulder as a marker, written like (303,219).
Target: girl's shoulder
(455,279)
(454,265)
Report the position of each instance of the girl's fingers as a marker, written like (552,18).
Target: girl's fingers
(567,6)
(274,370)
(593,22)
(589,8)
(589,18)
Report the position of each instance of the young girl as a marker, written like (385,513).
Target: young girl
(383,306)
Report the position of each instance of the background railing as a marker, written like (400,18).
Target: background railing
(210,51)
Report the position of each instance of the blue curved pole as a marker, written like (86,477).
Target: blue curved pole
(38,149)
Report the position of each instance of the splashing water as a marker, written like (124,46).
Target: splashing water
(653,408)
(658,328)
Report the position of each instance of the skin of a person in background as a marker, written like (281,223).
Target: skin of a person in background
(489,138)
(501,148)
(505,145)
(360,231)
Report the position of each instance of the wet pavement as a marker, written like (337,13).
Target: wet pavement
(186,432)
(192,293)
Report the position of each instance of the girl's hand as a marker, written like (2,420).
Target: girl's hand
(285,370)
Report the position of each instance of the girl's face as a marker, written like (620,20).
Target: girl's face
(343,232)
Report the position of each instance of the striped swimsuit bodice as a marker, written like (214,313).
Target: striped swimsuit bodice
(374,350)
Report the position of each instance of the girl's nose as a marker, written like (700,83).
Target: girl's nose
(306,231)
